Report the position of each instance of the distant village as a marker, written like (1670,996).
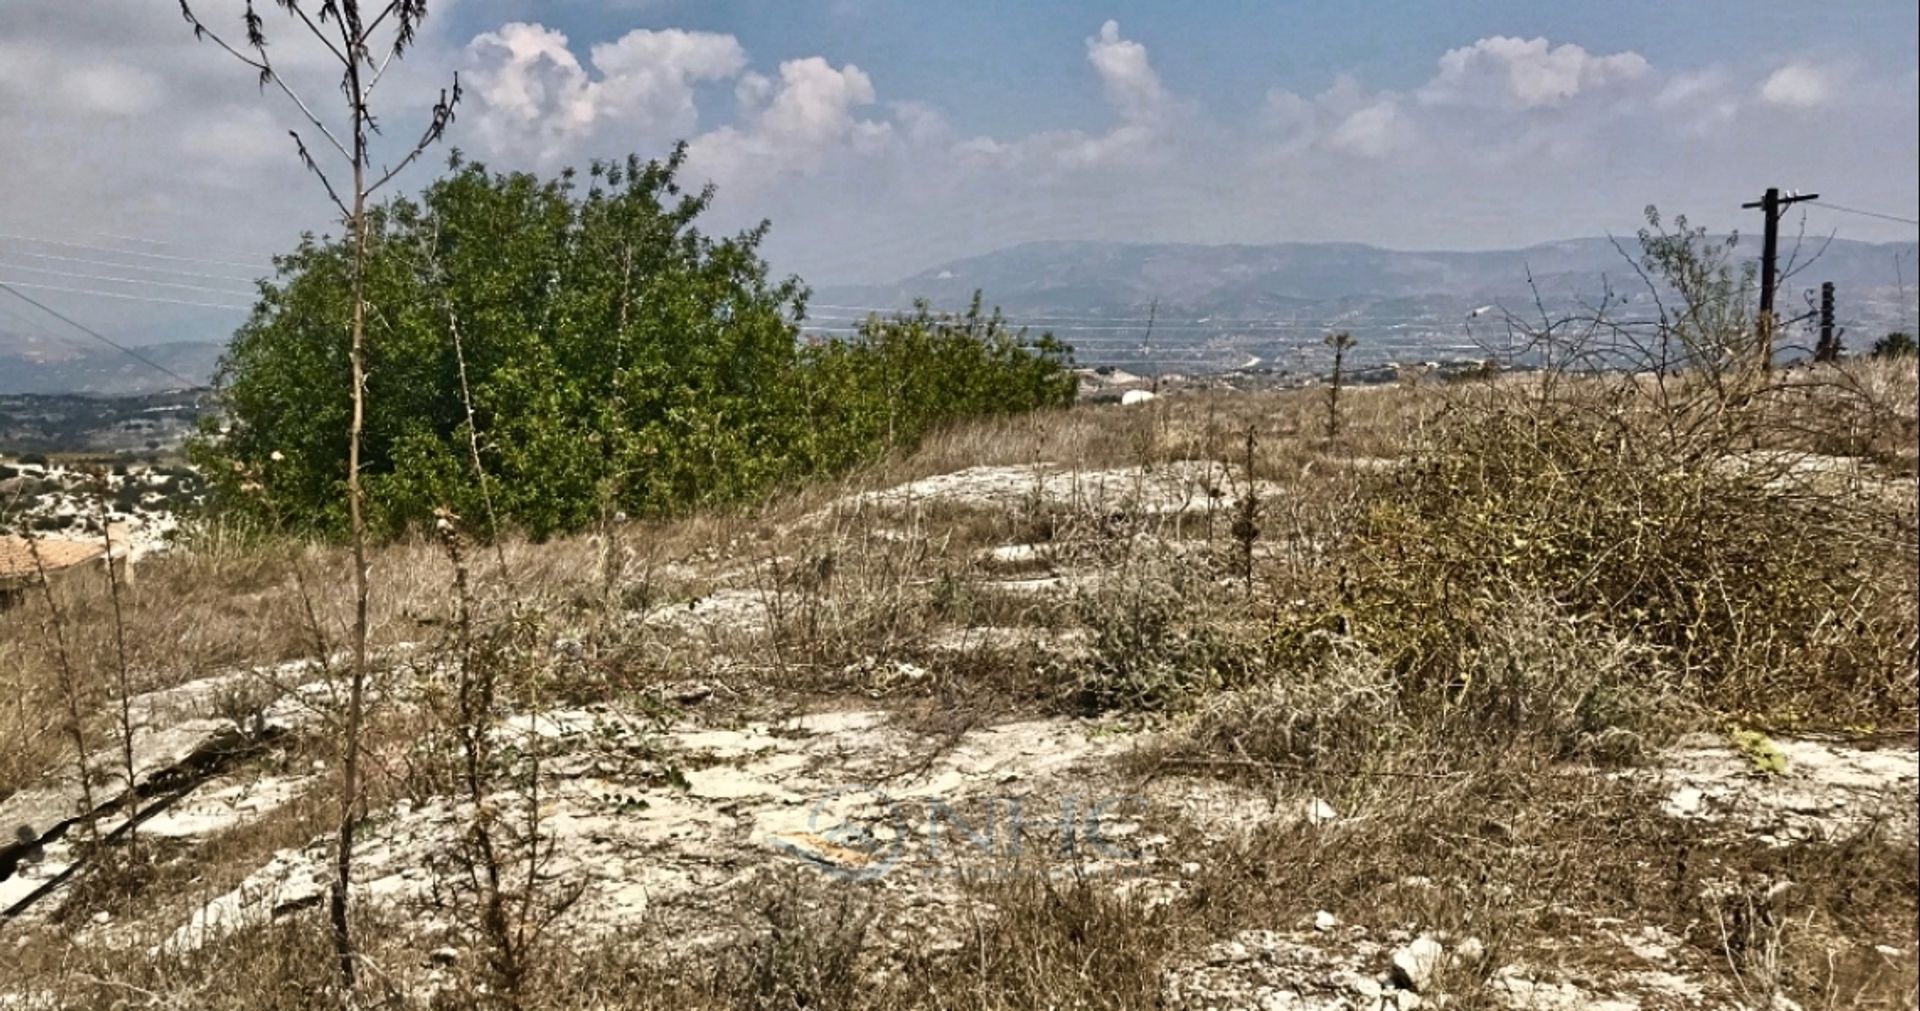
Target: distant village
(59,519)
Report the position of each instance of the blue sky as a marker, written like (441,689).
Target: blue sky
(1008,65)
(885,136)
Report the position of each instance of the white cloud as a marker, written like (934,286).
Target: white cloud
(1152,125)
(790,126)
(120,123)
(1798,86)
(921,122)
(1526,73)
(536,100)
(1131,84)
(1372,132)
(1699,101)
(648,75)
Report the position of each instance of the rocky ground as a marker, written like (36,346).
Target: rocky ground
(661,809)
(662,821)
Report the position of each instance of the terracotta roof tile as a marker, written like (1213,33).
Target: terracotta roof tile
(16,557)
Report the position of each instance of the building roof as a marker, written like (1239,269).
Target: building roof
(16,556)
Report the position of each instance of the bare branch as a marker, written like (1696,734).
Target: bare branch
(202,32)
(267,74)
(380,71)
(374,25)
(1796,267)
(312,166)
(437,124)
(318,33)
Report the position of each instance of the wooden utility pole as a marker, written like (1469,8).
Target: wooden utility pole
(1340,343)
(1146,342)
(1770,206)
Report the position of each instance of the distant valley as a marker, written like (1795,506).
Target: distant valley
(1217,307)
(1212,307)
(34,364)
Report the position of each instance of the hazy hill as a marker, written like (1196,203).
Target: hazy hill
(30,363)
(1112,278)
(1217,304)
(1270,305)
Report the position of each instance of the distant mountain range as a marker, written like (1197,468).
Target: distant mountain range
(1217,305)
(33,364)
(1212,306)
(1096,278)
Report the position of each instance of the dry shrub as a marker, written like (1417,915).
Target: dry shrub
(1331,715)
(1567,685)
(1151,649)
(1538,680)
(1050,940)
(806,952)
(1751,591)
(1518,850)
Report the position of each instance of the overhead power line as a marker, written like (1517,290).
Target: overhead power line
(131,252)
(174,245)
(96,335)
(39,327)
(117,265)
(122,295)
(126,280)
(1830,205)
(1097,323)
(1160,322)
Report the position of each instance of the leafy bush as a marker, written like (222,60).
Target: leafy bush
(617,360)
(901,378)
(1897,344)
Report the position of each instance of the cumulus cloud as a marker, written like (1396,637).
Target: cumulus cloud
(1151,121)
(1130,82)
(1374,131)
(1797,86)
(536,100)
(792,125)
(1526,73)
(1485,101)
(135,129)
(1699,101)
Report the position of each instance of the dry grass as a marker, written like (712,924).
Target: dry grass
(1444,687)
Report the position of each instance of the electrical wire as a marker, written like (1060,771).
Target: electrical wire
(1044,319)
(1829,205)
(57,258)
(39,327)
(125,280)
(95,334)
(129,252)
(122,295)
(175,245)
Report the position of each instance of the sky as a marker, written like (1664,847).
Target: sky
(882,137)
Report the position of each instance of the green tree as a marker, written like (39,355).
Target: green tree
(898,379)
(1898,344)
(614,356)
